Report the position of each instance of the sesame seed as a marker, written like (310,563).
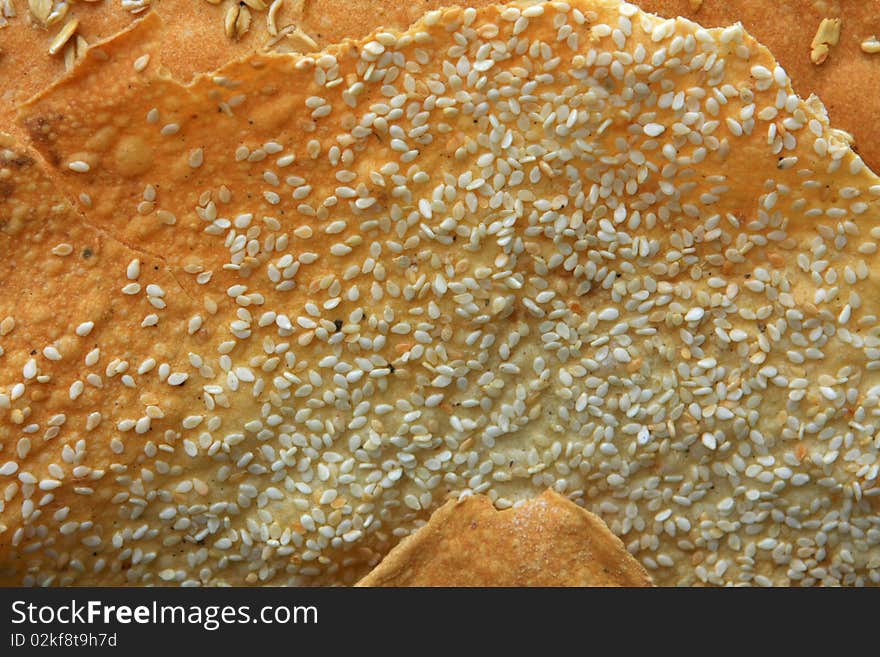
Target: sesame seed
(654,129)
(133,270)
(196,158)
(140,64)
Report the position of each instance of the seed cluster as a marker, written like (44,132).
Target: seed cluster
(566,245)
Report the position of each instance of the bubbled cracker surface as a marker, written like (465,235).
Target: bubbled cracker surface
(60,282)
(197,44)
(586,248)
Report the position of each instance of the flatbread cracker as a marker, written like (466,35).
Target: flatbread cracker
(548,541)
(569,246)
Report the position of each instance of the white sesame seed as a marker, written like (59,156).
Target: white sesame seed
(141,63)
(133,270)
(196,158)
(694,315)
(29,371)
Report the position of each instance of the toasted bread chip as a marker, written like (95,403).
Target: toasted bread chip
(547,541)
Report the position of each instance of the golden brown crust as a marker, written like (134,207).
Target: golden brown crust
(328,21)
(547,541)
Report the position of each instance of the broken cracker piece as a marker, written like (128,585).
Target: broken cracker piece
(546,541)
(826,36)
